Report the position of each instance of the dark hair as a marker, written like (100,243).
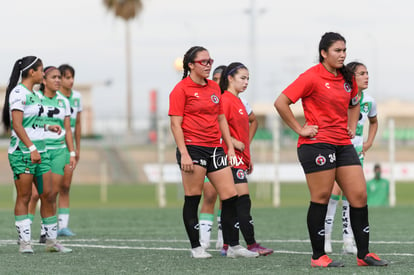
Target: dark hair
(66,67)
(352,66)
(21,68)
(189,58)
(219,69)
(232,70)
(326,41)
(46,71)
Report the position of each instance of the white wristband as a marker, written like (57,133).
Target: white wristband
(32,148)
(72,154)
(47,127)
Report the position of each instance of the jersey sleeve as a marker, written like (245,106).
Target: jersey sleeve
(80,109)
(373,111)
(177,102)
(299,88)
(17,100)
(249,110)
(354,94)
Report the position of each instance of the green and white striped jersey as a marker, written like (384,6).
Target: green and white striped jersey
(28,102)
(75,101)
(368,108)
(55,111)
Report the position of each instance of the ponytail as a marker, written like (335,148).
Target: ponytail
(21,66)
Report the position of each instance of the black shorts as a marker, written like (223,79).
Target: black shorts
(211,158)
(324,156)
(239,175)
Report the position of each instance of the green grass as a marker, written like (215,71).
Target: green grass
(130,235)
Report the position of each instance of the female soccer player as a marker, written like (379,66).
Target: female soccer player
(368,111)
(210,198)
(243,126)
(197,124)
(328,90)
(28,158)
(75,101)
(57,112)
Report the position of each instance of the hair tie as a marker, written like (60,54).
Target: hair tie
(49,69)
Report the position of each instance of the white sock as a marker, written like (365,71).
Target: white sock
(346,221)
(219,231)
(51,231)
(206,224)
(330,215)
(24,230)
(42,229)
(63,220)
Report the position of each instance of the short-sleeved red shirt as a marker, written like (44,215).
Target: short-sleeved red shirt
(199,105)
(238,120)
(325,101)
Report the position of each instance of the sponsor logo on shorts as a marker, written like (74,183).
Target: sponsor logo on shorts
(320,160)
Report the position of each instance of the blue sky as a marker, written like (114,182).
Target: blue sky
(86,35)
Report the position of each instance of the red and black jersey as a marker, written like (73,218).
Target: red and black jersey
(199,105)
(325,101)
(238,120)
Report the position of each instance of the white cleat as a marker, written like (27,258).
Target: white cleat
(55,246)
(200,253)
(239,251)
(25,247)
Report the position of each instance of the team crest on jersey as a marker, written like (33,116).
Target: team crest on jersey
(60,103)
(215,99)
(347,87)
(320,160)
(76,102)
(240,174)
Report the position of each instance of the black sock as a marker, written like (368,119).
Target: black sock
(244,205)
(190,217)
(316,228)
(360,228)
(229,221)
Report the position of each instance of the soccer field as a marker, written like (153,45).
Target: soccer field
(130,239)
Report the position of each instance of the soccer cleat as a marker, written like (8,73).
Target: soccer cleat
(325,261)
(223,251)
(263,251)
(328,245)
(65,232)
(42,239)
(25,247)
(349,248)
(371,259)
(200,253)
(239,251)
(55,246)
